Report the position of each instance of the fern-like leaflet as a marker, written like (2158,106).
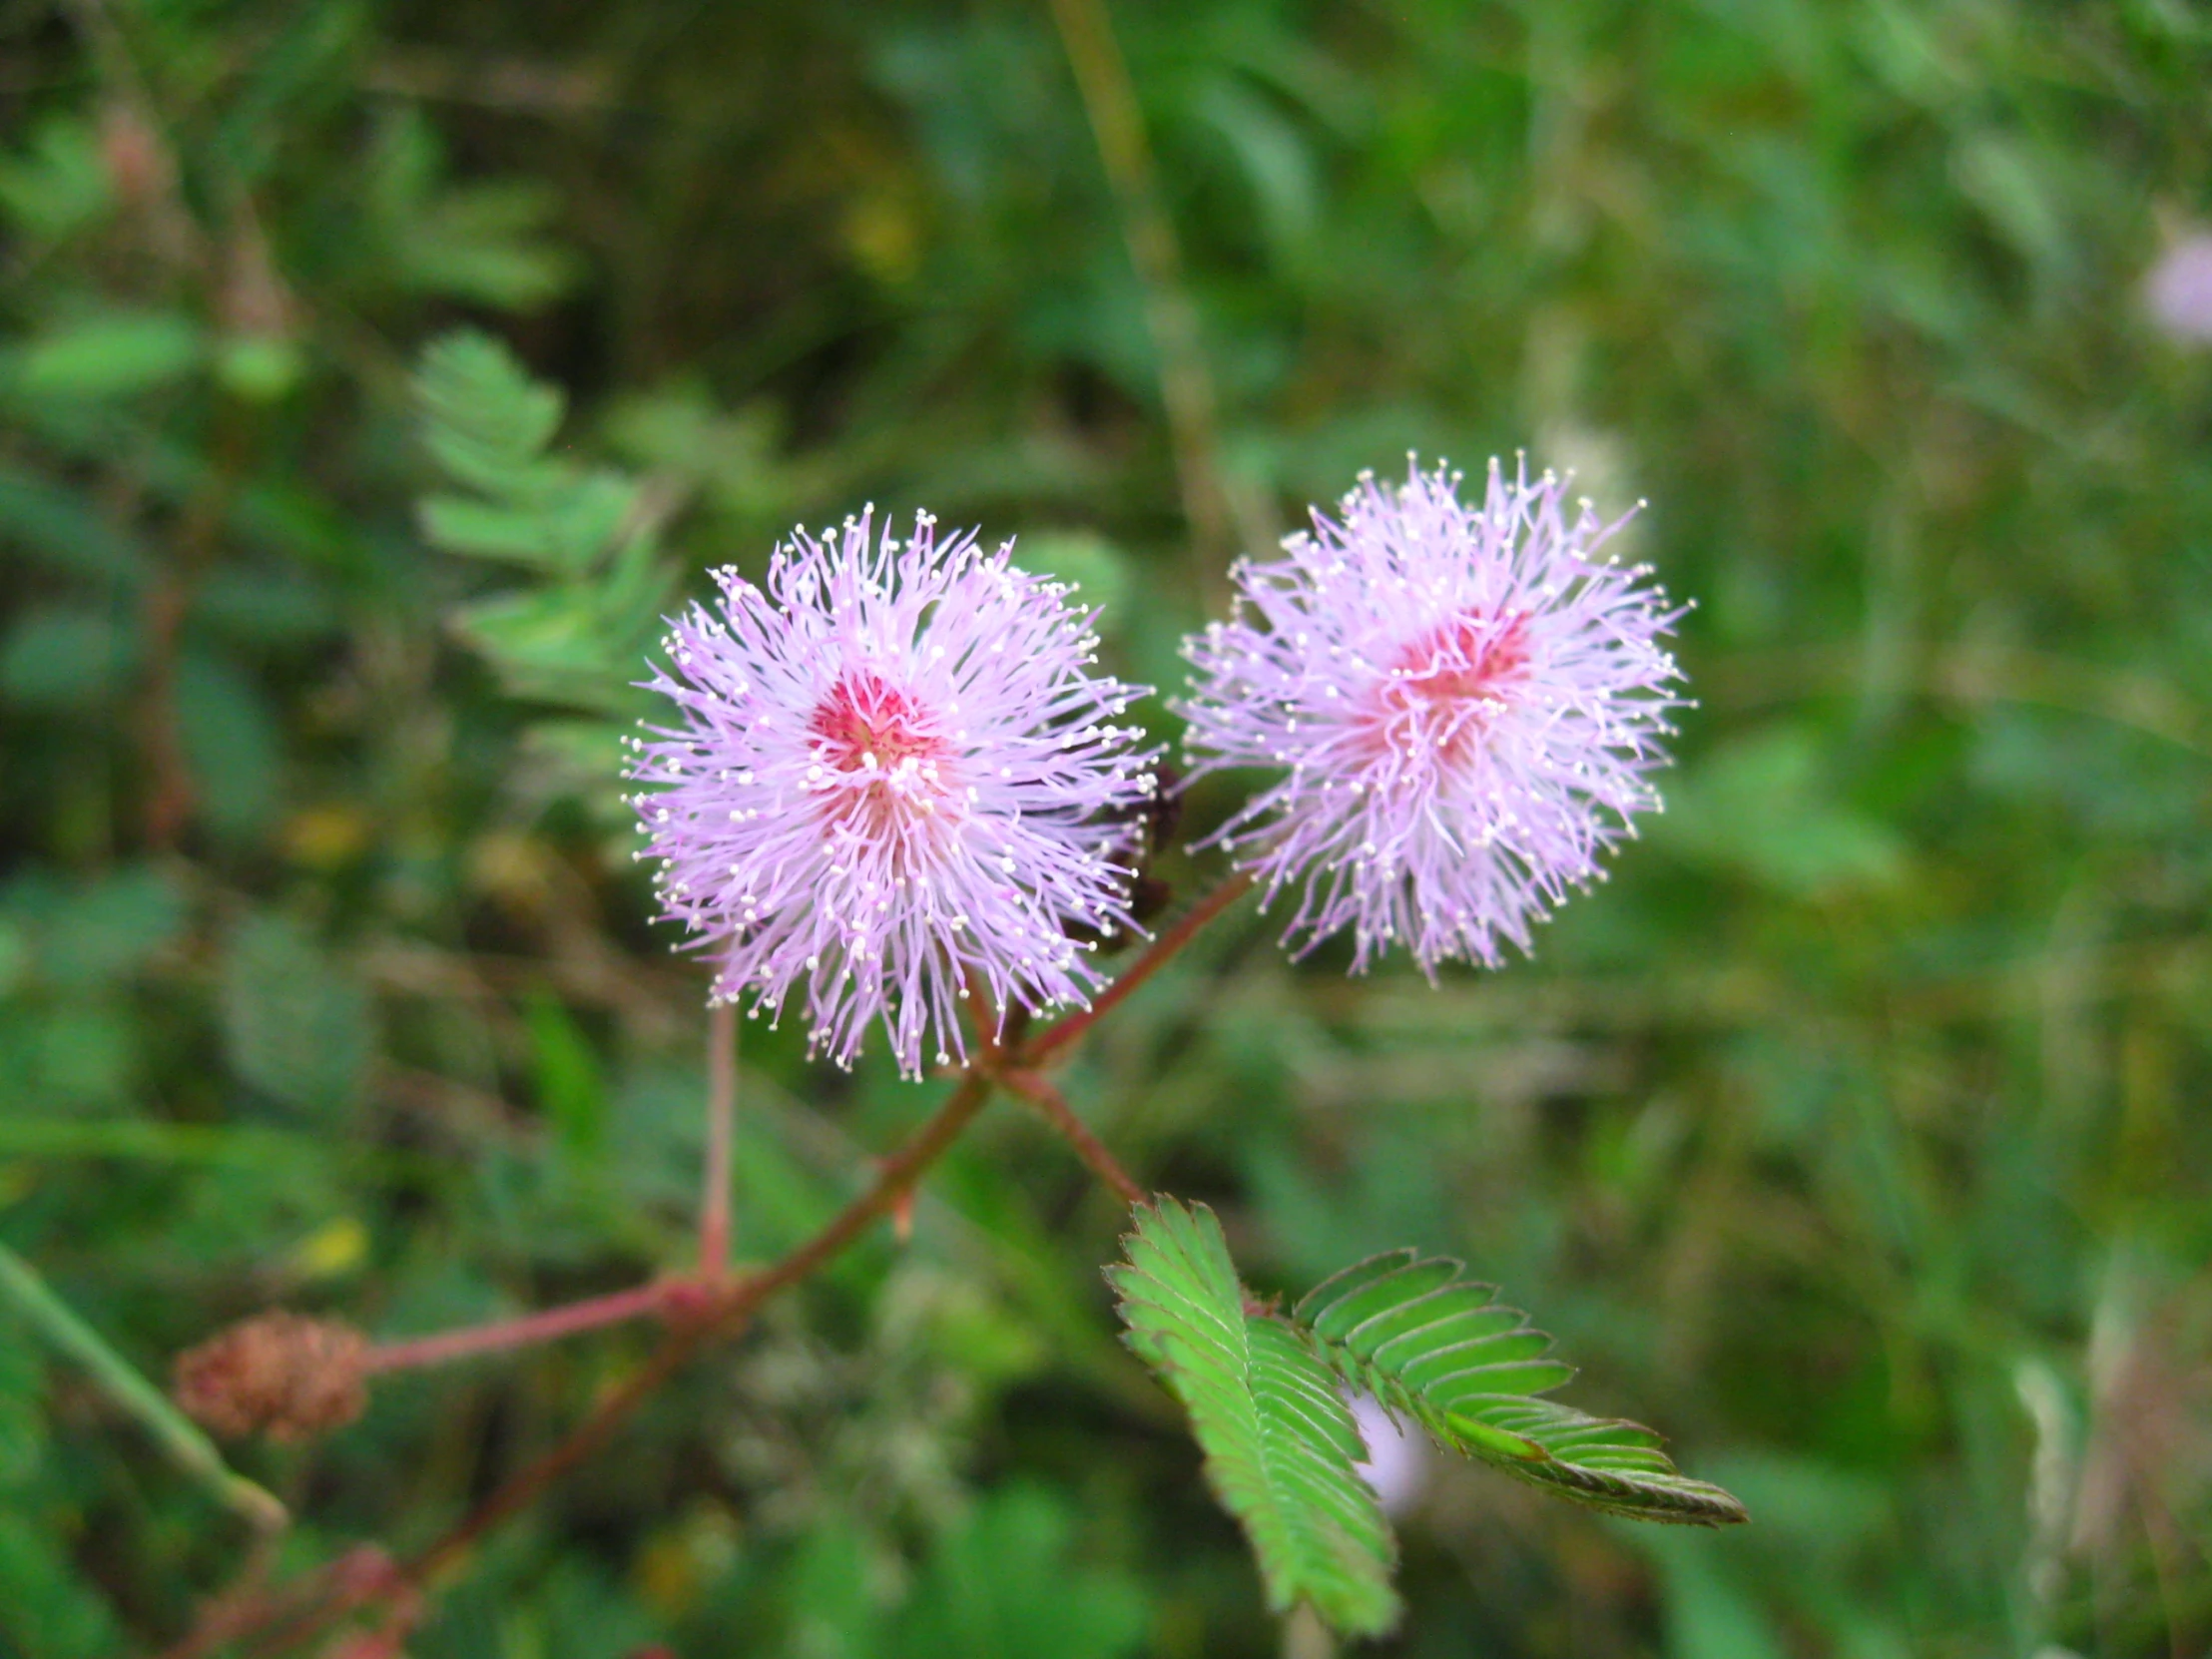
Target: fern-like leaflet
(1434,1347)
(573,632)
(1280,1445)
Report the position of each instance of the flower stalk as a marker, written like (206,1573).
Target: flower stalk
(1053,1107)
(722,1112)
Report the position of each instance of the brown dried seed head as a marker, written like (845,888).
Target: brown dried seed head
(282,1374)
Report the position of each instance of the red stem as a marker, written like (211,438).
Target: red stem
(725,1310)
(724,1314)
(414,1353)
(718,1310)
(1050,1046)
(1053,1107)
(722,1109)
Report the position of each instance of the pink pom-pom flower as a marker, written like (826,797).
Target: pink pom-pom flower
(896,780)
(1470,700)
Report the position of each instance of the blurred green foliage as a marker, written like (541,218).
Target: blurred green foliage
(1845,1135)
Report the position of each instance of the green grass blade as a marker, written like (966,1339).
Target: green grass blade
(122,1383)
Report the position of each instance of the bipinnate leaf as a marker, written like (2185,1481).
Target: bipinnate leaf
(489,427)
(575,635)
(485,420)
(1435,1347)
(1280,1445)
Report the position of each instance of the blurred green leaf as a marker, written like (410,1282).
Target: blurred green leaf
(1275,157)
(550,645)
(477,241)
(266,607)
(1709,1614)
(260,369)
(295,1025)
(78,1057)
(567,524)
(483,530)
(58,183)
(576,642)
(61,528)
(486,421)
(678,432)
(63,658)
(1999,175)
(231,745)
(1000,1582)
(94,933)
(482,242)
(46,1605)
(571,1090)
(1766,805)
(111,354)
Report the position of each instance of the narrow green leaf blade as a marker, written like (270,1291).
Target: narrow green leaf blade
(58,1323)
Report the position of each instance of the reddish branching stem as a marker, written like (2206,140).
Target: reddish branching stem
(1055,1040)
(724,1315)
(709,1308)
(544,1326)
(1053,1107)
(722,1113)
(713,1312)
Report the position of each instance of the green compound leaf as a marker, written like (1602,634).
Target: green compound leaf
(1280,1445)
(485,421)
(489,427)
(1434,1347)
(576,634)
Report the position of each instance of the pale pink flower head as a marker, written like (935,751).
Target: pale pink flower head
(1468,699)
(1396,1466)
(895,779)
(2179,288)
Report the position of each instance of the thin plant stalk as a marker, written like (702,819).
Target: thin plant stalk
(725,1315)
(704,1311)
(722,1110)
(721,1314)
(1057,1039)
(413,1354)
(1186,385)
(1053,1107)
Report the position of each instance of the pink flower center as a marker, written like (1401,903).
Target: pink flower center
(867,723)
(1442,688)
(888,756)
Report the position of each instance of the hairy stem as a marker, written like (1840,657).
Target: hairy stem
(1056,1039)
(724,1316)
(543,1327)
(722,1110)
(1053,1107)
(719,1313)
